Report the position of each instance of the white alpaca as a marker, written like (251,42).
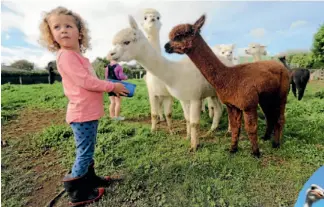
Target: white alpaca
(158,94)
(182,79)
(256,50)
(313,194)
(226,51)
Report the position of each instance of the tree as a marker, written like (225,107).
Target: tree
(318,46)
(302,60)
(99,65)
(23,64)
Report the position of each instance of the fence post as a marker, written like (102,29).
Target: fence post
(20,80)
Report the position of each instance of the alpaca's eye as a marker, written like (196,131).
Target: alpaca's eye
(158,18)
(223,53)
(126,42)
(253,47)
(231,52)
(145,18)
(313,188)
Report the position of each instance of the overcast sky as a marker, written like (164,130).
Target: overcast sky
(279,25)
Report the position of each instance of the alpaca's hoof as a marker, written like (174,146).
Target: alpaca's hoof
(265,138)
(162,119)
(275,145)
(194,148)
(4,143)
(256,153)
(233,150)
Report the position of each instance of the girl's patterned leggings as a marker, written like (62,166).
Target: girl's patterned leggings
(85,134)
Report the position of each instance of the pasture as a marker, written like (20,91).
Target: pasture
(158,167)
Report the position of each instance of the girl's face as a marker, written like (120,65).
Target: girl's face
(65,31)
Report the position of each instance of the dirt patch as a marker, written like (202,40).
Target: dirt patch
(31,121)
(267,160)
(42,170)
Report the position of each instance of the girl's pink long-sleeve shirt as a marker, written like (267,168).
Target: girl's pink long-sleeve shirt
(82,87)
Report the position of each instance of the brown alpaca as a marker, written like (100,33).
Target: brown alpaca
(241,87)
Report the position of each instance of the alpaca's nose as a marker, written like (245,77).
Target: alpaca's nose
(168,48)
(153,20)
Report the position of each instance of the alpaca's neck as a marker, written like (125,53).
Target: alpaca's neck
(256,57)
(308,203)
(154,39)
(209,65)
(285,64)
(155,63)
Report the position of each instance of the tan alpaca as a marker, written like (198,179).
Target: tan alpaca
(256,50)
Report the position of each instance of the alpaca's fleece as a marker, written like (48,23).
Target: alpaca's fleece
(125,35)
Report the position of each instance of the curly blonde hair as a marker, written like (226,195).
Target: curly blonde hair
(46,37)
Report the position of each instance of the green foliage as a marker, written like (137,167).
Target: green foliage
(318,45)
(23,64)
(99,65)
(303,60)
(6,73)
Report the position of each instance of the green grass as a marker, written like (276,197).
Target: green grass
(160,170)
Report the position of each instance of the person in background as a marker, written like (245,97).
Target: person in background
(115,71)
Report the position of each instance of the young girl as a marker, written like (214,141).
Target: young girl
(64,32)
(115,71)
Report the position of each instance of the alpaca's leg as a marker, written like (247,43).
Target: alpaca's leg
(154,102)
(217,111)
(235,117)
(203,109)
(278,127)
(186,112)
(167,102)
(293,88)
(211,107)
(301,90)
(160,108)
(251,126)
(267,108)
(195,106)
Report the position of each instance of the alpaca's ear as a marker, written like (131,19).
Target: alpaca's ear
(199,23)
(233,46)
(132,22)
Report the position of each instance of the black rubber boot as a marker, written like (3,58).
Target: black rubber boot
(100,181)
(80,191)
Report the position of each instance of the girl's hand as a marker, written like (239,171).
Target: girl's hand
(120,89)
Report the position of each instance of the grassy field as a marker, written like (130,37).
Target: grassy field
(159,169)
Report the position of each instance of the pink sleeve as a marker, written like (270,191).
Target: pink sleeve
(70,67)
(120,73)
